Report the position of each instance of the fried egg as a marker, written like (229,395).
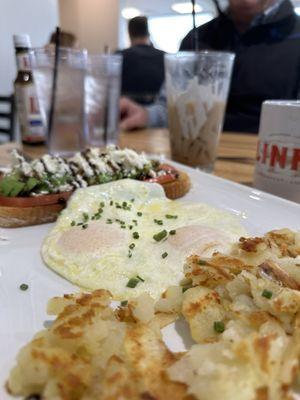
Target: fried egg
(128,238)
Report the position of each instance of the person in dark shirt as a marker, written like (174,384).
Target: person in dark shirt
(265,35)
(143,65)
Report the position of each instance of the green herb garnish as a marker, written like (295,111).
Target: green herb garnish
(24,287)
(172,232)
(133,282)
(84,226)
(267,294)
(135,235)
(169,216)
(124,303)
(132,246)
(202,262)
(109,221)
(73,223)
(139,214)
(219,326)
(158,221)
(160,236)
(85,216)
(164,255)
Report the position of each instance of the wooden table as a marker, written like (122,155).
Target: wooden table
(236,154)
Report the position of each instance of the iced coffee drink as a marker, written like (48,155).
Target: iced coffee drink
(196,105)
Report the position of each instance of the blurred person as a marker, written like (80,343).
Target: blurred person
(143,64)
(67,39)
(265,36)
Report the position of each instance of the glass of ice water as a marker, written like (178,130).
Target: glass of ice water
(102,95)
(68,132)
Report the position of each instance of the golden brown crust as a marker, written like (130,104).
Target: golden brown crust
(14,217)
(178,188)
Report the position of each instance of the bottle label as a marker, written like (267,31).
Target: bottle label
(31,124)
(23,62)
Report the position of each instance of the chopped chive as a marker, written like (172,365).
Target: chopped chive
(80,224)
(124,204)
(129,253)
(184,289)
(132,283)
(124,303)
(102,204)
(202,262)
(172,232)
(135,222)
(219,326)
(84,226)
(73,223)
(109,221)
(111,203)
(123,227)
(24,287)
(169,216)
(118,206)
(100,211)
(130,227)
(139,214)
(140,279)
(158,221)
(85,216)
(93,217)
(135,235)
(97,216)
(267,294)
(164,255)
(132,246)
(160,236)
(132,200)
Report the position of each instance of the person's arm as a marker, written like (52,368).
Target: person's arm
(134,116)
(158,112)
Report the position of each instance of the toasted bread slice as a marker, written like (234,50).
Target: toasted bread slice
(179,187)
(14,217)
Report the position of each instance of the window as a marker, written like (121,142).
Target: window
(167,32)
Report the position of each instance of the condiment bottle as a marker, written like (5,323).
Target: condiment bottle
(30,120)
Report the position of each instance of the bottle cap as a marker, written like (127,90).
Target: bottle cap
(22,40)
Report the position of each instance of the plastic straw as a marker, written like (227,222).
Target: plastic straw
(106,105)
(195,36)
(54,82)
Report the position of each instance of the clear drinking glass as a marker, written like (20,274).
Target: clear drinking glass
(102,88)
(68,133)
(197,89)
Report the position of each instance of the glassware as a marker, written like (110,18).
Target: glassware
(197,86)
(68,132)
(277,169)
(102,87)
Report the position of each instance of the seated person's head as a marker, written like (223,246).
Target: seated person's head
(138,31)
(67,39)
(246,10)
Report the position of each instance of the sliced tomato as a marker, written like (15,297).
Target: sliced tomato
(170,175)
(43,200)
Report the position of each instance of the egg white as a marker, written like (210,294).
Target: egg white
(99,255)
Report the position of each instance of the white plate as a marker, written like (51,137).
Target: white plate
(24,313)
